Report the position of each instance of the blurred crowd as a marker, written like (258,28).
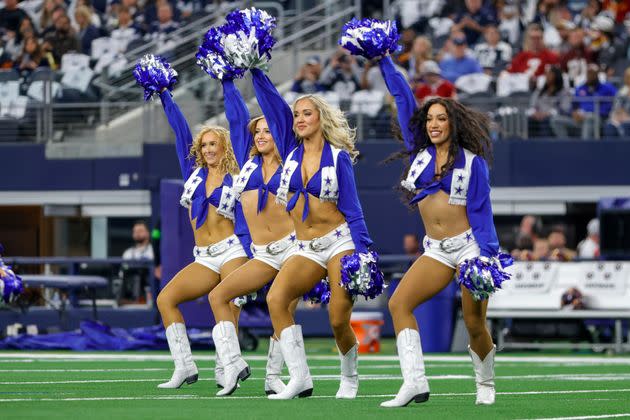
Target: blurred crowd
(566,61)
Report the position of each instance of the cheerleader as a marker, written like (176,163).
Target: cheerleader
(207,162)
(271,228)
(318,187)
(448,146)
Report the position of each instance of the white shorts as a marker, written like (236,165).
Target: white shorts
(452,251)
(322,249)
(275,253)
(215,255)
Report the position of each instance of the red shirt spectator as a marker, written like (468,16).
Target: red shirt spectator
(433,85)
(535,56)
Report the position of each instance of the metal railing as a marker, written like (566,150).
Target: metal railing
(97,122)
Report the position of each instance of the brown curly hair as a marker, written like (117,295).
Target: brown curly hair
(228,163)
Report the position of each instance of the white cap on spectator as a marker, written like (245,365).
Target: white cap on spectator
(593,227)
(430,66)
(603,23)
(313,59)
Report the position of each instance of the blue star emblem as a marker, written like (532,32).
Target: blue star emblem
(198,252)
(284,182)
(228,195)
(249,168)
(428,244)
(230,241)
(301,245)
(460,178)
(468,237)
(413,172)
(338,233)
(286,171)
(242,179)
(327,192)
(292,238)
(188,190)
(224,206)
(328,180)
(421,161)
(458,190)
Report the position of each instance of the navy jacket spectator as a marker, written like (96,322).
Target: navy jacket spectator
(11,16)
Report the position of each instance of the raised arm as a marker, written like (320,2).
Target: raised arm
(405,101)
(183,136)
(237,115)
(479,209)
(277,113)
(349,205)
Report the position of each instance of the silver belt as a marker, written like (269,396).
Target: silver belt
(324,242)
(215,250)
(450,245)
(277,247)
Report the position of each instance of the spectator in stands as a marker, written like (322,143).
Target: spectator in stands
(421,51)
(433,84)
(11,17)
(589,247)
(95,18)
(585,111)
(45,18)
(165,23)
(535,56)
(307,79)
(58,12)
(6,61)
(575,60)
(557,241)
(87,31)
(473,20)
(126,30)
(587,16)
(605,44)
(15,41)
(142,250)
(411,245)
(459,64)
(572,299)
(407,37)
(619,123)
(342,75)
(510,25)
(32,57)
(493,54)
(551,99)
(541,251)
(64,39)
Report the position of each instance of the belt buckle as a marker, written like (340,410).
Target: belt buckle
(275,248)
(320,244)
(214,250)
(445,246)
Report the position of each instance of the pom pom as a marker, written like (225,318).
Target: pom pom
(482,276)
(320,293)
(242,300)
(248,40)
(211,57)
(360,275)
(369,38)
(10,284)
(154,74)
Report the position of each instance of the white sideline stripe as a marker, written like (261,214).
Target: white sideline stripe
(603,416)
(392,358)
(195,397)
(563,377)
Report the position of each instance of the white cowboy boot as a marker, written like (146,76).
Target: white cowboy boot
(229,351)
(185,368)
(219,372)
(349,375)
(273,383)
(415,386)
(484,376)
(292,346)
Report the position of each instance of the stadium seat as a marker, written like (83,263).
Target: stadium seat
(7,75)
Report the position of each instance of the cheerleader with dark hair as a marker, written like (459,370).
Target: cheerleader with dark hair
(448,147)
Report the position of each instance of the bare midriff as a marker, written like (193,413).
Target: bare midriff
(216,227)
(441,219)
(323,216)
(271,224)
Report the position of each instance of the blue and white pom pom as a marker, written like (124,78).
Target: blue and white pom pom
(360,275)
(370,38)
(10,284)
(483,276)
(154,74)
(211,57)
(242,300)
(320,293)
(248,39)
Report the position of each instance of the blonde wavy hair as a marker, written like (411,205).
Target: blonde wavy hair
(252,130)
(228,163)
(333,124)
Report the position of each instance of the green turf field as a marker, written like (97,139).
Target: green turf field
(123,385)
